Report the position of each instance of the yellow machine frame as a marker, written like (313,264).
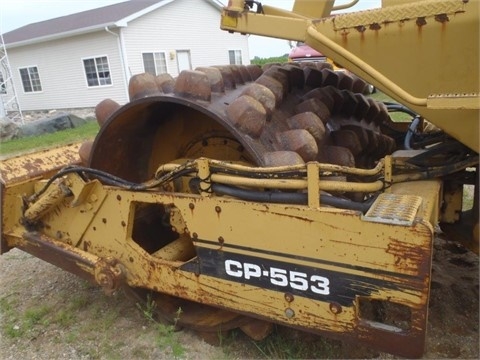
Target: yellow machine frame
(293,264)
(415,51)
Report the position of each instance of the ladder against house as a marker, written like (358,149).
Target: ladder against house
(9,105)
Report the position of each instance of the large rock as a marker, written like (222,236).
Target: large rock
(8,130)
(61,121)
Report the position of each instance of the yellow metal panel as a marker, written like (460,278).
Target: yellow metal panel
(313,9)
(386,3)
(402,12)
(416,52)
(39,164)
(412,61)
(454,101)
(268,25)
(394,209)
(293,264)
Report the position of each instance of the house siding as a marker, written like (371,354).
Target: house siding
(191,25)
(62,74)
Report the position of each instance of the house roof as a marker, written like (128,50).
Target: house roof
(116,15)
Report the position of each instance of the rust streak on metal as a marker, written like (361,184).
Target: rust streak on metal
(407,256)
(295,217)
(62,255)
(442,18)
(421,22)
(39,164)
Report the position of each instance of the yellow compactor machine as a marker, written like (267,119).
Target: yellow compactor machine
(248,196)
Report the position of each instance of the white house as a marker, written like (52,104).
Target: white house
(78,60)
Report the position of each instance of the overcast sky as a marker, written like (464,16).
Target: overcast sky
(17,13)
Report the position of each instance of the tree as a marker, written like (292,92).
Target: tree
(262,61)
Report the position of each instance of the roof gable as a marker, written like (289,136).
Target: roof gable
(115,15)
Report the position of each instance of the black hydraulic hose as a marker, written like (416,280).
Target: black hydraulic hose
(110,179)
(279,197)
(277,175)
(220,189)
(394,107)
(412,139)
(113,180)
(411,131)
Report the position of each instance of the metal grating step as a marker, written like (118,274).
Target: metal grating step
(394,209)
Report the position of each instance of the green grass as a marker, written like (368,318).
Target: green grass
(166,337)
(468,194)
(10,318)
(380,96)
(282,343)
(16,324)
(282,347)
(396,116)
(83,132)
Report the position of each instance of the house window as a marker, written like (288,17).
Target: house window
(235,57)
(30,79)
(3,84)
(155,63)
(97,71)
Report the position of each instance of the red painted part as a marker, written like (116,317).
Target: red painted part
(305,52)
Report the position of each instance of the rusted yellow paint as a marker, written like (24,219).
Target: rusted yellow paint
(332,239)
(38,164)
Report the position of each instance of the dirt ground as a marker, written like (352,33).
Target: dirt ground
(47,313)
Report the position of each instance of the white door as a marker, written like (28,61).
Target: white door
(183,60)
